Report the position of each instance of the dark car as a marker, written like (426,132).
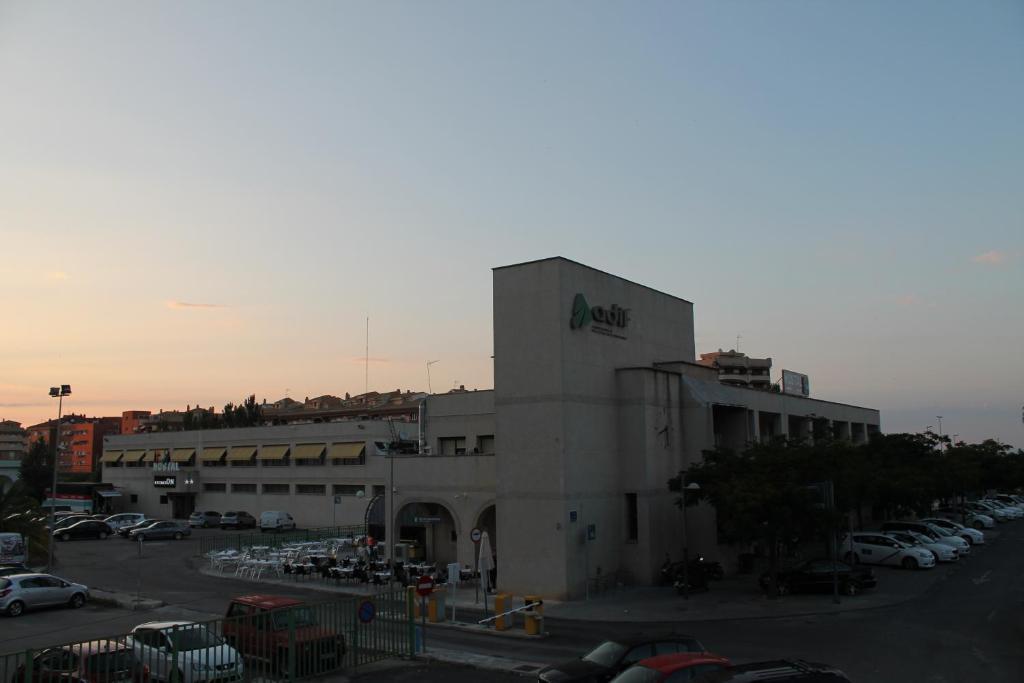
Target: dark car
(682,666)
(777,671)
(65,521)
(86,528)
(175,530)
(612,657)
(815,576)
(94,661)
(126,530)
(237,520)
(204,519)
(10,569)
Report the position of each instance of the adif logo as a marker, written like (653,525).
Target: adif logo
(583,314)
(580,312)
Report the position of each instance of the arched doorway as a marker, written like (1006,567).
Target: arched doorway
(429,530)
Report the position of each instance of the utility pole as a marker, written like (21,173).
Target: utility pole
(58,393)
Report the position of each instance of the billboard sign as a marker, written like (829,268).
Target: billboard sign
(795,383)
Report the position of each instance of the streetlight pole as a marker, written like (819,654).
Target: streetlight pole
(58,393)
(392,532)
(692,486)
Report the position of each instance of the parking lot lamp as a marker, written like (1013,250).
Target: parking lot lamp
(58,393)
(692,486)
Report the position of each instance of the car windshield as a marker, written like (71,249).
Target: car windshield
(606,654)
(303,617)
(104,662)
(920,538)
(638,674)
(194,638)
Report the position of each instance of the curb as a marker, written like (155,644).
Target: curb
(123,600)
(486,662)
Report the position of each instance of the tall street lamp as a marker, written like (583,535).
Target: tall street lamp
(58,393)
(692,486)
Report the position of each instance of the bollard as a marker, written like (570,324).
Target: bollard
(533,617)
(435,606)
(500,605)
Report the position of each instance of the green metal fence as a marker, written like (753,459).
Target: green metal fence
(257,641)
(275,539)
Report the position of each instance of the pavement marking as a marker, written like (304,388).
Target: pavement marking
(984,578)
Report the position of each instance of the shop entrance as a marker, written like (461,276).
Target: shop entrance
(429,529)
(182,504)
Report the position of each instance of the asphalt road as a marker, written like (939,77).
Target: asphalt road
(967,627)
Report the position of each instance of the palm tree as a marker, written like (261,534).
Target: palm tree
(20,514)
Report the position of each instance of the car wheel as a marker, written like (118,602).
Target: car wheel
(851,588)
(65,537)
(909,563)
(978,524)
(177,535)
(15,608)
(76,601)
(102,535)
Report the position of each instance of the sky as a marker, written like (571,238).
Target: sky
(199,201)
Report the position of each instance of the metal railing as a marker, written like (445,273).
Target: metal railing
(251,643)
(275,539)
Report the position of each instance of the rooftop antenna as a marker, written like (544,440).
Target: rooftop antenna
(429,363)
(366,389)
(738,337)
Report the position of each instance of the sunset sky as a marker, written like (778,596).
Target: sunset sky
(203,200)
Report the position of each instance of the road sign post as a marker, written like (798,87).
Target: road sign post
(475,535)
(424,586)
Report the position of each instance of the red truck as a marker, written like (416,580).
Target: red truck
(283,632)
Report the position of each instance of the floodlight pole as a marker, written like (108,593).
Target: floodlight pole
(59,393)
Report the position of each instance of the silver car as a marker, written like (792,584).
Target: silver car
(19,592)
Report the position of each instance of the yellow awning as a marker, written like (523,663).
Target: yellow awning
(153,454)
(309,451)
(111,456)
(238,453)
(212,454)
(272,453)
(182,454)
(347,451)
(133,456)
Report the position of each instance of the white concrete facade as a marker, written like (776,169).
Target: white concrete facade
(597,403)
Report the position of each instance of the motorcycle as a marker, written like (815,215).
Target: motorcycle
(698,575)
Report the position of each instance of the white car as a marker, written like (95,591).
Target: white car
(123,519)
(937,534)
(975,520)
(972,536)
(870,548)
(198,653)
(1002,514)
(1015,511)
(990,510)
(941,551)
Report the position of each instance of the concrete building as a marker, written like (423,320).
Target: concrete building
(13,447)
(597,403)
(739,369)
(81,440)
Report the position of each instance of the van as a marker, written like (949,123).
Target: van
(274,520)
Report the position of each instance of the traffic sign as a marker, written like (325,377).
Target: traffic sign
(367,611)
(475,535)
(428,520)
(424,586)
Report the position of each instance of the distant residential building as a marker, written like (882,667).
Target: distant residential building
(81,439)
(739,369)
(13,446)
(132,420)
(397,405)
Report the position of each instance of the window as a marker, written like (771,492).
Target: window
(310,462)
(485,444)
(243,463)
(632,519)
(348,489)
(277,489)
(243,488)
(451,445)
(215,488)
(311,489)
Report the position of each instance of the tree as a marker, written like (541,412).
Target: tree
(37,470)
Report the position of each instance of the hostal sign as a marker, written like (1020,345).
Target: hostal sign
(611,321)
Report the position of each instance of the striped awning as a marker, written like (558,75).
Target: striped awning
(154,454)
(133,456)
(347,451)
(182,454)
(238,453)
(111,456)
(212,454)
(309,451)
(272,453)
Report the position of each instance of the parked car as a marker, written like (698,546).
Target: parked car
(19,592)
(66,520)
(126,531)
(974,520)
(123,519)
(8,569)
(986,508)
(972,536)
(275,520)
(937,534)
(175,530)
(258,626)
(612,657)
(941,551)
(194,650)
(86,528)
(683,666)
(237,520)
(92,661)
(868,548)
(202,520)
(778,671)
(816,576)
(1013,511)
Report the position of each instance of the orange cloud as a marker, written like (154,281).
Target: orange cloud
(182,305)
(991,258)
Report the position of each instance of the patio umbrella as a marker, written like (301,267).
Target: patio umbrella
(484,564)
